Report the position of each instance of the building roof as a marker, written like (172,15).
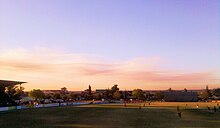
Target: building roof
(180,96)
(10,83)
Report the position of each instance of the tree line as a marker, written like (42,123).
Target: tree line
(11,95)
(114,93)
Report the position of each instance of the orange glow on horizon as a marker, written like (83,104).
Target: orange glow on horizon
(53,70)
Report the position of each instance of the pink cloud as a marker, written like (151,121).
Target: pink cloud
(53,66)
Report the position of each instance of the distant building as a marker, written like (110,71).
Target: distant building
(179,96)
(51,91)
(101,90)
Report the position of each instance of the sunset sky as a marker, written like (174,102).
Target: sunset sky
(147,44)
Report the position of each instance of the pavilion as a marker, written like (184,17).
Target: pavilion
(6,83)
(4,98)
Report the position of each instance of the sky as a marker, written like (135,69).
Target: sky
(143,44)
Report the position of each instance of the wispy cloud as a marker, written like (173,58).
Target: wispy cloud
(44,68)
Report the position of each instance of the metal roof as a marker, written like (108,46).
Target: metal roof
(10,83)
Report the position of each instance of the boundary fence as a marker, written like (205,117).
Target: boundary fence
(2,109)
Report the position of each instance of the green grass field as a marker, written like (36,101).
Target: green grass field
(157,115)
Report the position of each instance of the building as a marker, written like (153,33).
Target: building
(5,99)
(51,91)
(180,96)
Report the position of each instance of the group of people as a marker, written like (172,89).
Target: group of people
(178,111)
(125,105)
(214,108)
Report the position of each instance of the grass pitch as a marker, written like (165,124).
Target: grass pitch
(157,115)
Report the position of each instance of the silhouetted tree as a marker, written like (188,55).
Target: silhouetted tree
(48,96)
(90,91)
(170,90)
(206,94)
(117,95)
(159,96)
(56,96)
(14,92)
(97,96)
(107,94)
(64,91)
(138,94)
(9,94)
(37,94)
(72,96)
(216,92)
(114,88)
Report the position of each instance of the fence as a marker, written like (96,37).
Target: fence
(2,109)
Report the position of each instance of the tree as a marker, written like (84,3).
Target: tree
(117,95)
(72,96)
(64,97)
(205,94)
(216,92)
(138,94)
(170,90)
(14,92)
(6,96)
(90,90)
(114,88)
(97,96)
(48,96)
(147,95)
(37,94)
(64,90)
(56,96)
(18,93)
(158,95)
(88,93)
(107,94)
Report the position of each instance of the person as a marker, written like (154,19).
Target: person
(149,104)
(140,107)
(125,104)
(215,109)
(197,106)
(186,104)
(179,114)
(144,105)
(208,108)
(178,108)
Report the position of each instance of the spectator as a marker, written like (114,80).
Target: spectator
(179,114)
(215,109)
(197,106)
(178,108)
(208,108)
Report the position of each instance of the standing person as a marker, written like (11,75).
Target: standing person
(179,114)
(177,108)
(215,109)
(197,106)
(140,107)
(208,108)
(186,104)
(125,104)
